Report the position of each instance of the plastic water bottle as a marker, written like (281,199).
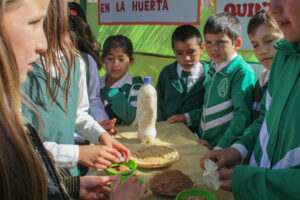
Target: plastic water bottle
(146,111)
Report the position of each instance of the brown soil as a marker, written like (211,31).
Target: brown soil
(170,182)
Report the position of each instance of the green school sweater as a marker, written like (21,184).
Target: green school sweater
(172,99)
(272,140)
(227,103)
(121,103)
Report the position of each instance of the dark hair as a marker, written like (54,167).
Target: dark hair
(261,17)
(185,32)
(81,34)
(224,23)
(116,41)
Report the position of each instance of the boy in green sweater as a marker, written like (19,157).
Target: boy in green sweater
(228,85)
(179,87)
(272,141)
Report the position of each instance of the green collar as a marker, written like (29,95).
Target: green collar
(287,47)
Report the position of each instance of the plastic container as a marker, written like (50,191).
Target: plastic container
(195,193)
(146,111)
(131,164)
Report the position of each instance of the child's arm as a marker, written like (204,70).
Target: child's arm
(250,136)
(97,109)
(260,183)
(119,104)
(241,94)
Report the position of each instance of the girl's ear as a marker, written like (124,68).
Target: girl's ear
(131,61)
(238,43)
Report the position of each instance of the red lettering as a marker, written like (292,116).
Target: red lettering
(241,10)
(146,5)
(159,2)
(230,8)
(257,7)
(134,6)
(250,9)
(122,7)
(141,6)
(152,5)
(104,7)
(239,13)
(265,4)
(165,7)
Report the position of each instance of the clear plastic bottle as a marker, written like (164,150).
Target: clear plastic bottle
(146,111)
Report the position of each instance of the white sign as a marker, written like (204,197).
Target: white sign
(244,10)
(114,12)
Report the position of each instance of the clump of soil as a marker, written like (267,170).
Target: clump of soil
(170,182)
(119,168)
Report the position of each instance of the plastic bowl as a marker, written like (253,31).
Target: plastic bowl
(195,193)
(131,164)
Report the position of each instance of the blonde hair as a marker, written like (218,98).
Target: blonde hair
(22,175)
(57,34)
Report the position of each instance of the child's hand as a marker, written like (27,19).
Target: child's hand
(226,177)
(97,156)
(205,143)
(108,125)
(130,189)
(177,118)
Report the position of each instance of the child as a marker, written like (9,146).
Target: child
(272,141)
(57,87)
(263,33)
(118,89)
(89,48)
(228,85)
(179,87)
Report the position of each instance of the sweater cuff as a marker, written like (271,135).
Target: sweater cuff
(188,119)
(72,184)
(242,149)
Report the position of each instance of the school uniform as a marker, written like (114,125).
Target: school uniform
(120,100)
(227,101)
(259,91)
(176,98)
(93,83)
(59,124)
(272,141)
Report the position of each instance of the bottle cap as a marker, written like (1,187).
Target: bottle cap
(147,80)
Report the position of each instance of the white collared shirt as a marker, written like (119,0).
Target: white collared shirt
(264,78)
(195,73)
(219,67)
(126,79)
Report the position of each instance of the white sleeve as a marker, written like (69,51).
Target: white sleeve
(96,106)
(86,126)
(242,149)
(188,119)
(65,155)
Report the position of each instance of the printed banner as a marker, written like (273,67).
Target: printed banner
(168,12)
(244,10)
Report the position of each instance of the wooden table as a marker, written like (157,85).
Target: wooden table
(181,138)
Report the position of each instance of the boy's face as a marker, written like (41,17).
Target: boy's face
(188,52)
(287,16)
(220,47)
(262,41)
